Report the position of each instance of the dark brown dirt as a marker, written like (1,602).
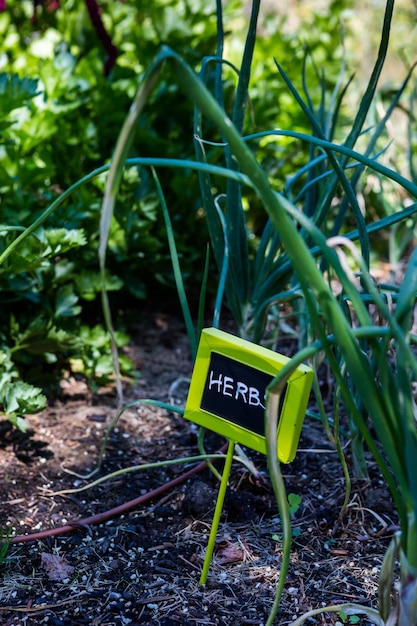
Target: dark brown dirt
(143,566)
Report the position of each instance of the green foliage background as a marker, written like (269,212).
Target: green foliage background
(59,120)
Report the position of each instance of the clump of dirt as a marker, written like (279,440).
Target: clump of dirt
(143,565)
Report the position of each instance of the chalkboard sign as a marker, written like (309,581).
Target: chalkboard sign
(227,392)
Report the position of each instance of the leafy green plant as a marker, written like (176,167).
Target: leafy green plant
(69,128)
(56,121)
(294,501)
(95,360)
(349,619)
(17,397)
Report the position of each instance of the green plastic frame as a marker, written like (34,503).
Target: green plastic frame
(241,352)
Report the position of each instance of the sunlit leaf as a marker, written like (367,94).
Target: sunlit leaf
(24,398)
(66,302)
(15,92)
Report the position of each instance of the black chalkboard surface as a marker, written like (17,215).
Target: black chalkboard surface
(236,392)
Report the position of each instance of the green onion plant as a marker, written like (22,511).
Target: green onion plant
(373,364)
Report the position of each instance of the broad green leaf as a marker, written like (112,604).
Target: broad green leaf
(24,398)
(294,501)
(40,338)
(61,240)
(88,283)
(15,92)
(18,421)
(36,130)
(66,302)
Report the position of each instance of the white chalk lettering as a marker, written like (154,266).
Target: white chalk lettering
(241,390)
(218,382)
(228,386)
(238,390)
(254,398)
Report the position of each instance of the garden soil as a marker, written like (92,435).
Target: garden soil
(141,564)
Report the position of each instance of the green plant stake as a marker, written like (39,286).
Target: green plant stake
(217,512)
(227,395)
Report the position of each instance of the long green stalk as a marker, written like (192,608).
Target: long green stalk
(113,183)
(274,391)
(176,268)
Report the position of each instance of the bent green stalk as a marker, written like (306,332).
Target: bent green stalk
(278,209)
(273,395)
(137,468)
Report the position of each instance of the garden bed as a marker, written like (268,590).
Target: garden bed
(143,566)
